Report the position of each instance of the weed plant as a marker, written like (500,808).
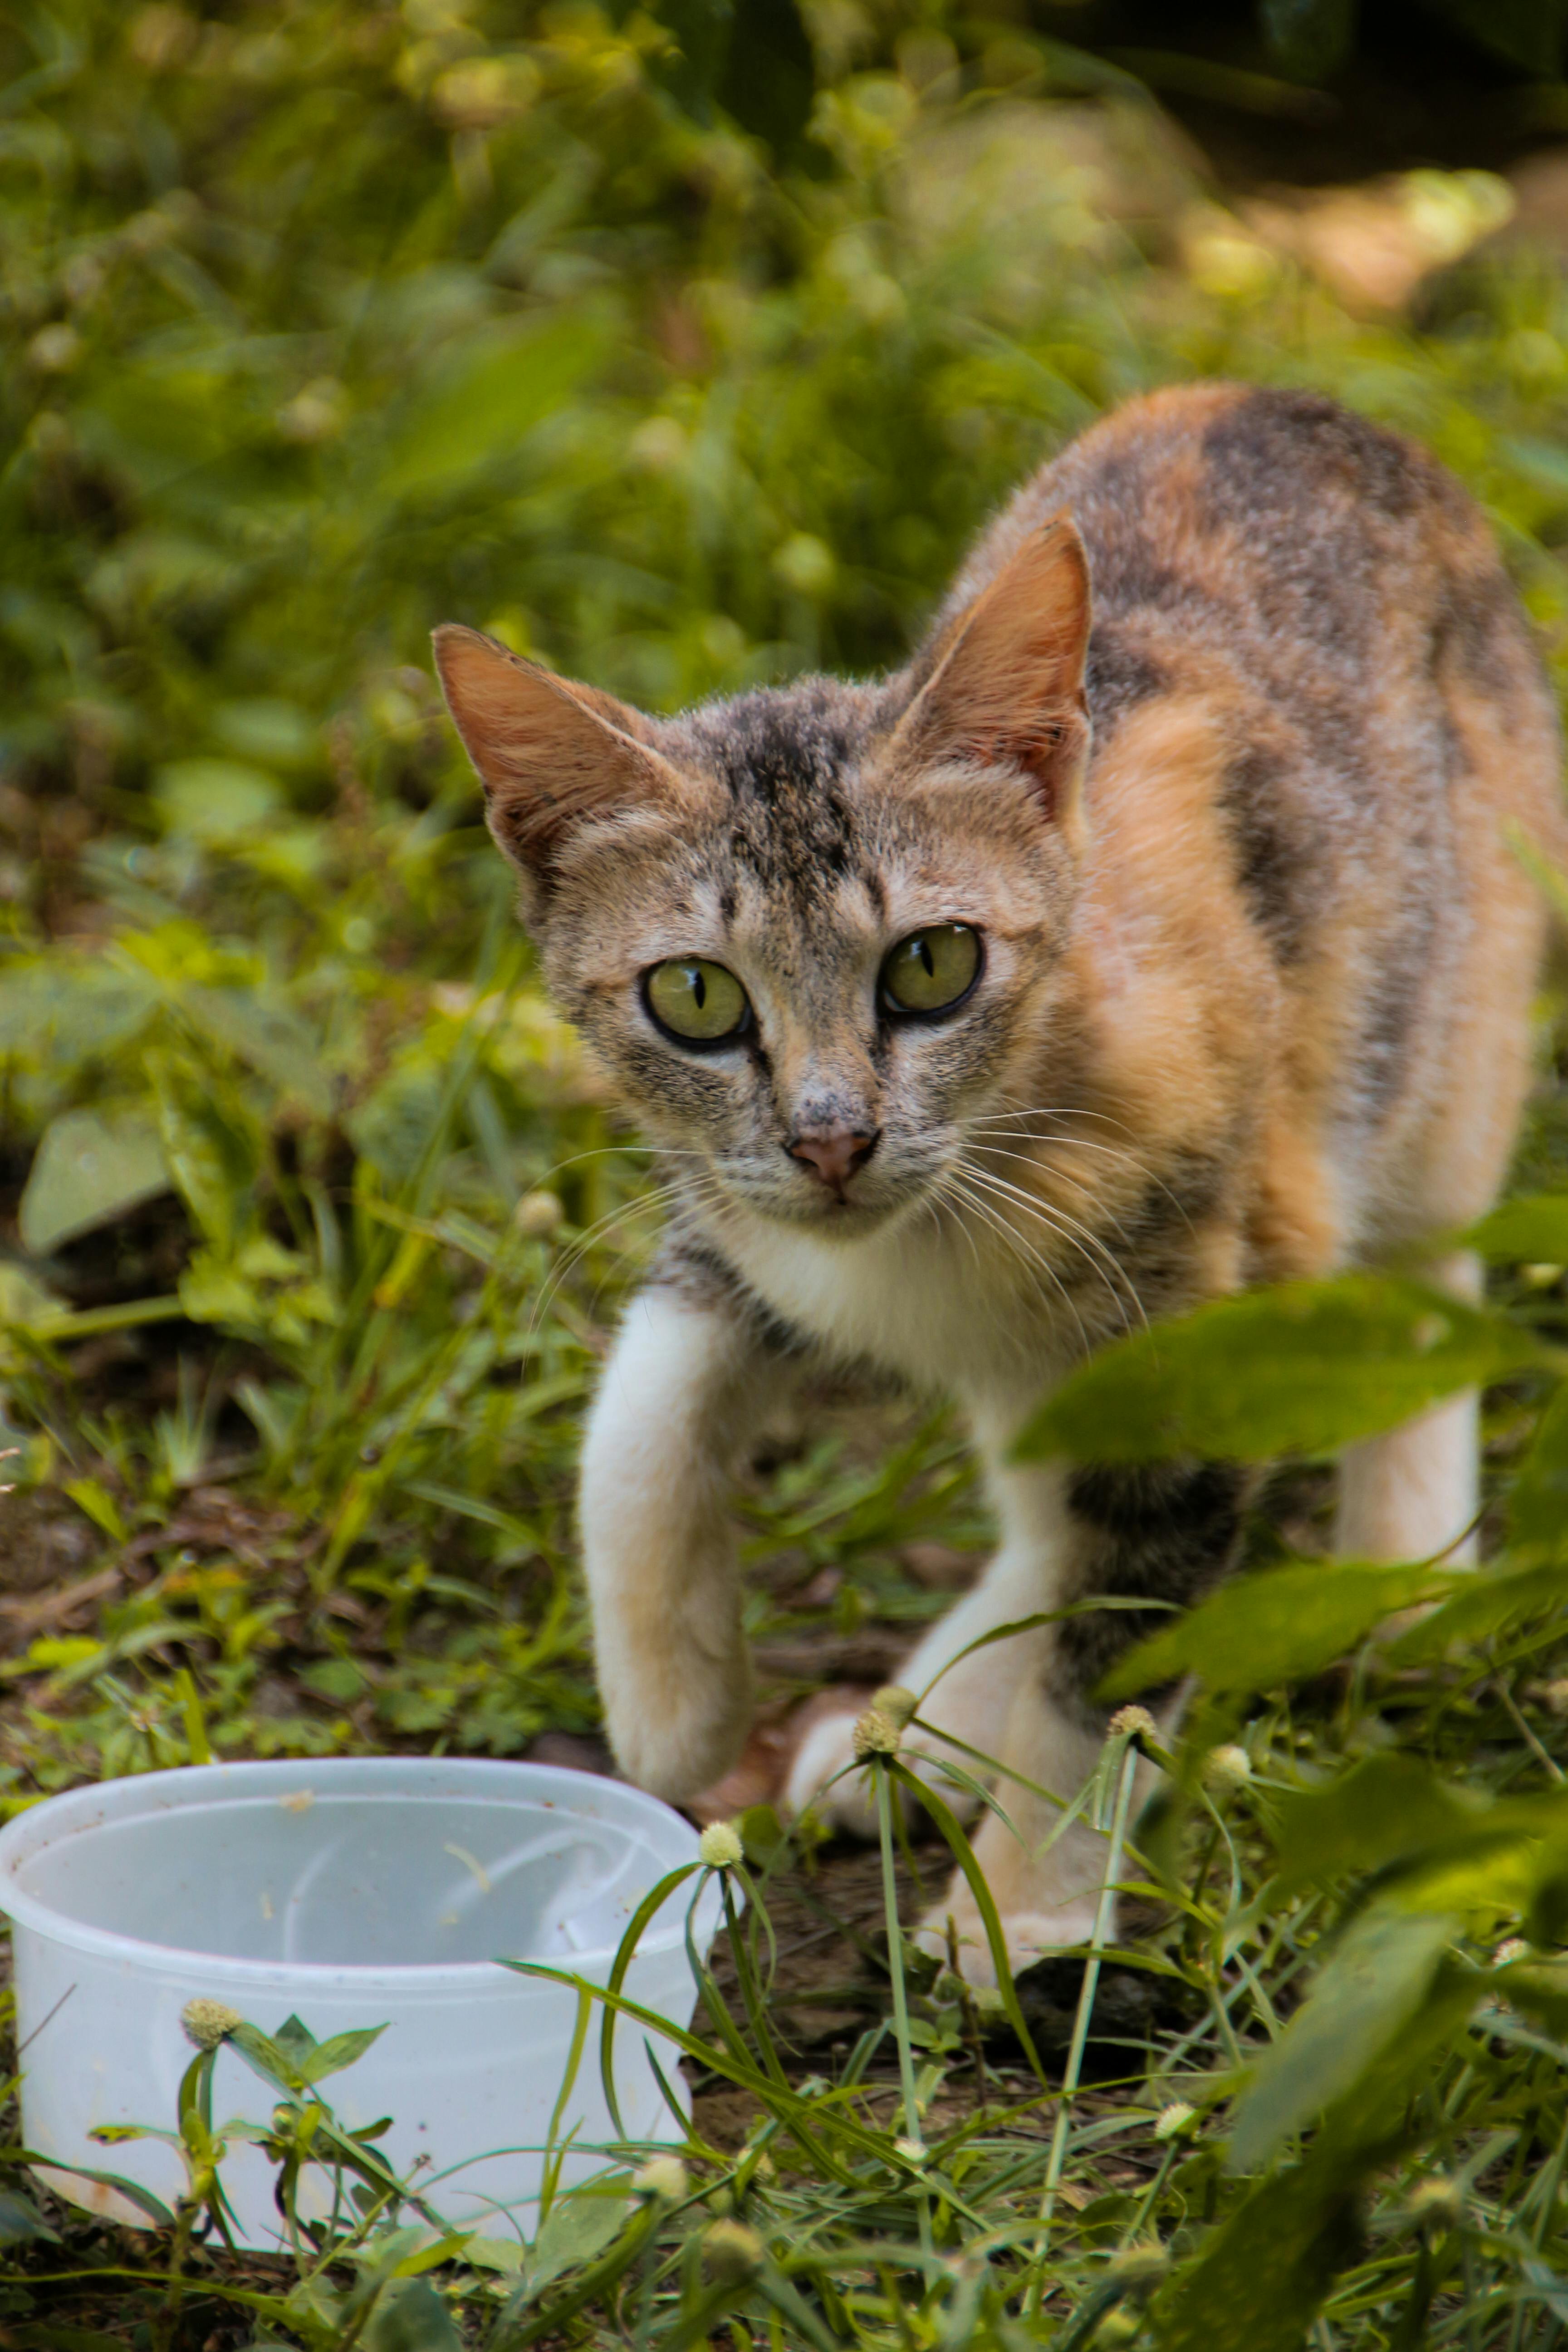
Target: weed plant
(325,322)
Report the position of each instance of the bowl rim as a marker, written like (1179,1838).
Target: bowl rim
(20,1841)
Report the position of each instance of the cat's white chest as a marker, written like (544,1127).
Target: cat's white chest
(908,1301)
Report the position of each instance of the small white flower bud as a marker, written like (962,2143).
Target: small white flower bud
(1133,1723)
(208,2022)
(1173,2120)
(895,1703)
(910,2151)
(1436,2199)
(875,1734)
(719,1846)
(732,2251)
(1512,1948)
(1118,2327)
(1225,1770)
(537,1214)
(663,2177)
(1139,2265)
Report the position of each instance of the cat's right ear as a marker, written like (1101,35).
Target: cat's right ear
(551,754)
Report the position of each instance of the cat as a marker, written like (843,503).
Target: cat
(1156,931)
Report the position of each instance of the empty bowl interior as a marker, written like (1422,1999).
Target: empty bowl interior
(351,1879)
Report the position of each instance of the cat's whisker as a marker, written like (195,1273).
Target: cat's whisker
(1023,1250)
(935,1200)
(1086,1190)
(639,1206)
(1009,1198)
(697,1195)
(1060,1220)
(1055,1209)
(1083,1143)
(1078,1236)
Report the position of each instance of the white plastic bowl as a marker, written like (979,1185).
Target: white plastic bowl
(353,1892)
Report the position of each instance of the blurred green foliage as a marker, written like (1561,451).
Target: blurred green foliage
(685,347)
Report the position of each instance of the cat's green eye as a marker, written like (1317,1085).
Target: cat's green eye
(696,999)
(932,970)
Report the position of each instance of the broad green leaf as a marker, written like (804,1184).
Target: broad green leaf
(502,2255)
(340,2050)
(1478,1606)
(216,801)
(485,398)
(213,1157)
(295,2036)
(265,2056)
(1304,1369)
(1274,1627)
(1259,2278)
(1538,1506)
(21,2221)
(1385,1808)
(1540,1989)
(1372,1985)
(410,2317)
(267,1035)
(1532,1231)
(577,2227)
(275,733)
(25,1301)
(63,1015)
(90,1166)
(1448,1849)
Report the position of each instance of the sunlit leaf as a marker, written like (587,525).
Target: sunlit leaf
(486,397)
(1275,1627)
(215,799)
(90,1167)
(21,2221)
(1304,1369)
(1532,1231)
(1480,1607)
(1260,2278)
(340,2050)
(1374,1983)
(267,1035)
(410,2317)
(576,2228)
(1538,1504)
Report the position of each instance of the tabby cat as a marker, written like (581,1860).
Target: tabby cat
(1158,931)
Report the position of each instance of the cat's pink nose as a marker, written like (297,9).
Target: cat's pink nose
(834,1153)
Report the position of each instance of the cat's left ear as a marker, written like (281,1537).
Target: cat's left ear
(1007,687)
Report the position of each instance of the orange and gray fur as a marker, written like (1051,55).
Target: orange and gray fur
(1219,748)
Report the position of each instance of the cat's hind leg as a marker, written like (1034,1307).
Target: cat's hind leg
(1415,1492)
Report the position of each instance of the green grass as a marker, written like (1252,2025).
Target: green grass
(326,323)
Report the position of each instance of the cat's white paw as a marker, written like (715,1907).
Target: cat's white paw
(1030,1936)
(678,1740)
(827,1750)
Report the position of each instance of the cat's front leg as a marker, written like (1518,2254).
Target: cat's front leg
(681,1391)
(962,1691)
(1163,1533)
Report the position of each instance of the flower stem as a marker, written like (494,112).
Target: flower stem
(1104,1912)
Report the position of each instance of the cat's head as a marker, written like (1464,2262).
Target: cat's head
(812,931)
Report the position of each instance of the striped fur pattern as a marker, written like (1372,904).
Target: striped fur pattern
(1217,743)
